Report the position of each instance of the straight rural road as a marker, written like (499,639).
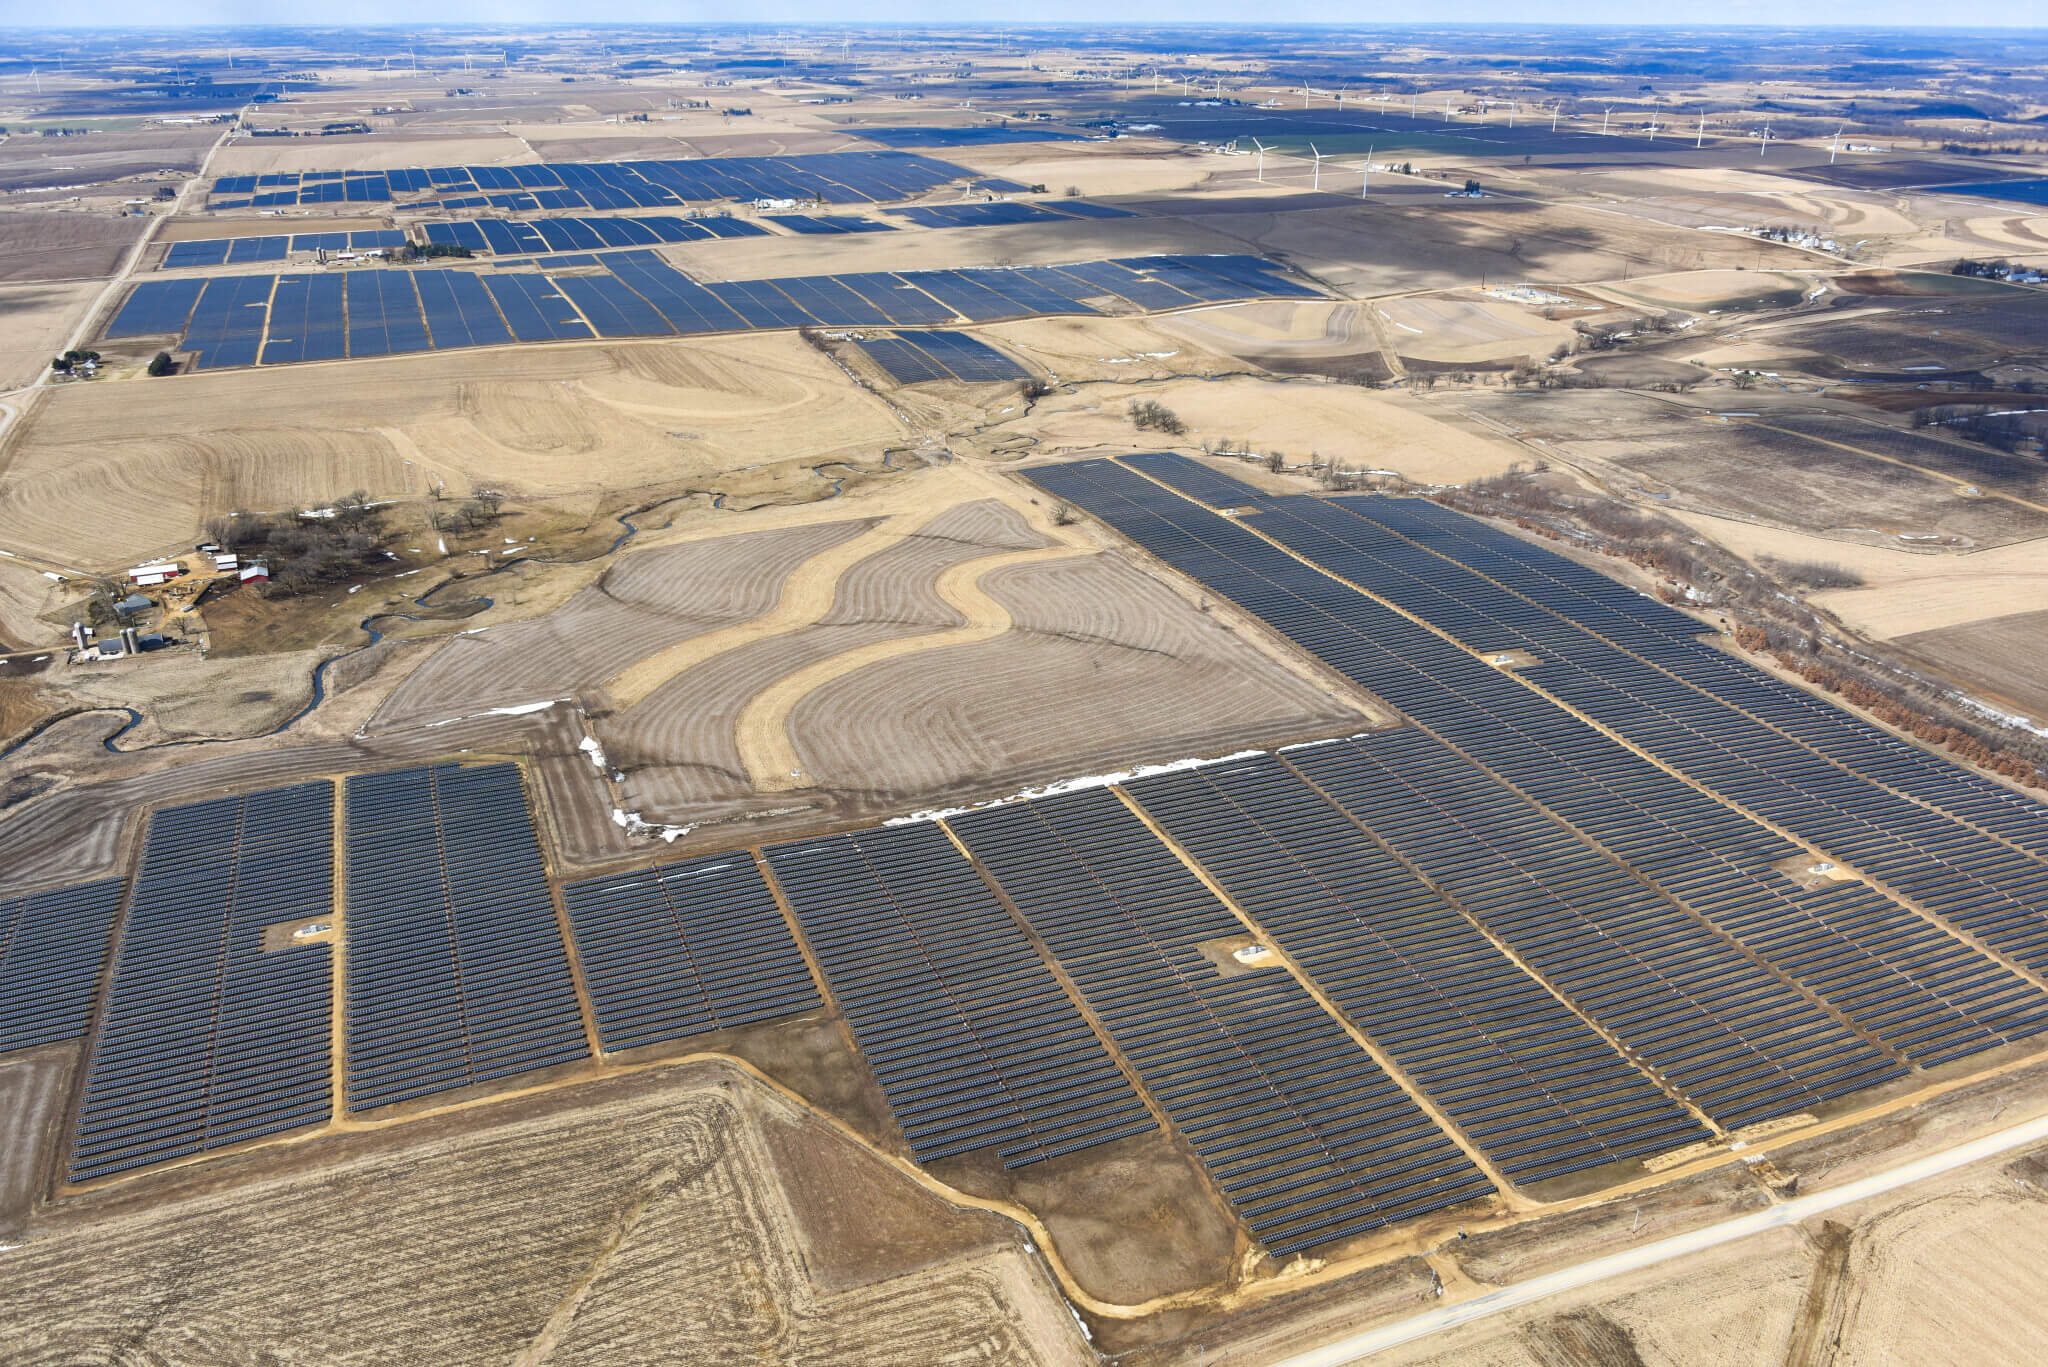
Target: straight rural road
(1357,1347)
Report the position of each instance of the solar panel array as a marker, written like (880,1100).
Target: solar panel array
(1306,1136)
(978,135)
(974,1041)
(684,949)
(456,969)
(208,1038)
(236,251)
(837,177)
(225,318)
(940,356)
(51,947)
(826,225)
(508,237)
(1527,1081)
(998,213)
(1654,907)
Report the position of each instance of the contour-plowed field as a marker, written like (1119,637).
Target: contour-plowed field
(1103,664)
(645,602)
(685,1217)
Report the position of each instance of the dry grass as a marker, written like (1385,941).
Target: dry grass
(154,459)
(35,322)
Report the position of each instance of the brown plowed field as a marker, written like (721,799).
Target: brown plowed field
(1103,666)
(64,246)
(688,1216)
(647,601)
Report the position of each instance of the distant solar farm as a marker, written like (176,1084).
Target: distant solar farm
(1553,906)
(244,320)
(837,177)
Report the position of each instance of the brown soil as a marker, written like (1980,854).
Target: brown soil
(63,246)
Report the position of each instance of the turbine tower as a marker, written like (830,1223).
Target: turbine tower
(1262,159)
(1836,146)
(1701,139)
(1365,174)
(1317,183)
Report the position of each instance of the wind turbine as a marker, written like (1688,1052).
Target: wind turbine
(1365,175)
(1605,115)
(1511,113)
(1836,145)
(1447,109)
(1554,111)
(1184,84)
(1317,183)
(1764,147)
(1262,159)
(1412,97)
(1701,139)
(1304,94)
(37,79)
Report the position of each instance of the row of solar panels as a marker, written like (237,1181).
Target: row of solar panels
(236,251)
(1377,881)
(1002,213)
(838,177)
(235,320)
(940,355)
(508,237)
(1673,905)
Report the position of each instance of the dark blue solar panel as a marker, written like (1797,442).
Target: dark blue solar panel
(683,949)
(155,307)
(305,320)
(183,254)
(612,307)
(51,948)
(211,1033)
(459,310)
(968,358)
(457,973)
(533,308)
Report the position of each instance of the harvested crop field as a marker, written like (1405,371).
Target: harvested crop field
(64,246)
(1687,459)
(36,163)
(35,322)
(641,604)
(154,460)
(1723,291)
(1141,676)
(1997,658)
(689,1215)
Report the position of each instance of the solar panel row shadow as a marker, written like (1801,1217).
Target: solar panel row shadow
(1776,1051)
(1717,864)
(456,969)
(209,1038)
(51,947)
(684,949)
(1307,1137)
(975,1043)
(1532,1086)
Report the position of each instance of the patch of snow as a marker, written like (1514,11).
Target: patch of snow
(631,824)
(441,542)
(1074,785)
(515,710)
(589,746)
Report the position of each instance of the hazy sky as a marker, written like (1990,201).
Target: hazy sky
(1872,13)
